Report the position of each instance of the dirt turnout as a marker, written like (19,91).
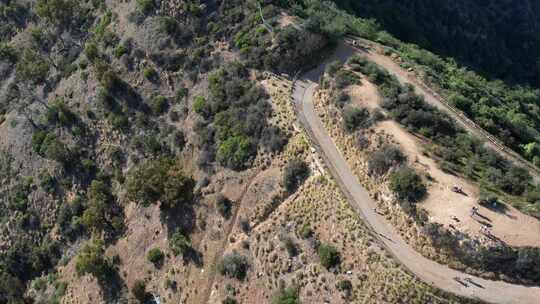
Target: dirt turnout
(444,206)
(373,52)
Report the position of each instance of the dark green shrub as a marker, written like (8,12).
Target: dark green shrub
(179,243)
(287,296)
(234,265)
(146,6)
(49,146)
(181,94)
(332,67)
(120,50)
(274,139)
(168,25)
(150,73)
(91,260)
(102,212)
(345,286)
(88,166)
(159,104)
(59,113)
(235,152)
(159,180)
(345,78)
(139,292)
(306,231)
(155,256)
(119,121)
(91,51)
(110,81)
(58,12)
(229,300)
(47,182)
(407,184)
(328,255)
(32,67)
(295,173)
(385,158)
(290,246)
(7,53)
(354,118)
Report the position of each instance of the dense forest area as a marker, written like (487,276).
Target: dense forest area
(498,38)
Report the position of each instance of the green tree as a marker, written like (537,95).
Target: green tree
(159,104)
(91,260)
(32,67)
(102,214)
(234,265)
(234,152)
(159,180)
(407,184)
(179,243)
(287,296)
(155,256)
(199,104)
(328,255)
(57,12)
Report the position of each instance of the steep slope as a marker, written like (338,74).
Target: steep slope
(499,38)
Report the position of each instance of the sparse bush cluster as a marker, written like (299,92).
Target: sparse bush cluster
(295,48)
(235,116)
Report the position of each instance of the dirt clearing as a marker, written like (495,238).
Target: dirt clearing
(444,206)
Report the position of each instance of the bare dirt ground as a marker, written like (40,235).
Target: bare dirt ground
(285,20)
(442,204)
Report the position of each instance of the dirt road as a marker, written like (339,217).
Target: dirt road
(428,271)
(434,99)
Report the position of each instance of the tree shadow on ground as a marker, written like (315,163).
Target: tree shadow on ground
(182,218)
(113,286)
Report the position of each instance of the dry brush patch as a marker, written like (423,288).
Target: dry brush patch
(375,277)
(377,187)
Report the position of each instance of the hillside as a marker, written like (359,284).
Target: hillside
(150,153)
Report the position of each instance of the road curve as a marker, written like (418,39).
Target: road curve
(432,273)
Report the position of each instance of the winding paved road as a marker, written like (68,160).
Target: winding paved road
(427,270)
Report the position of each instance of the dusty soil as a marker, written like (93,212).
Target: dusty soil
(442,204)
(285,20)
